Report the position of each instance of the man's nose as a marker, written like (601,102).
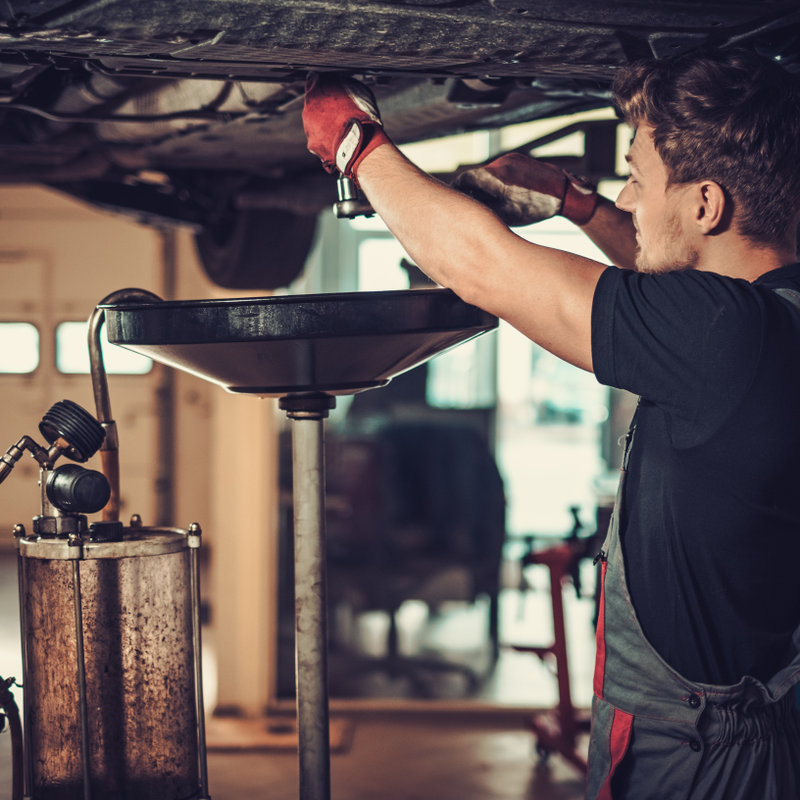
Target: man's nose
(625,199)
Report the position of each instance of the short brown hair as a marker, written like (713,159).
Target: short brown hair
(727,116)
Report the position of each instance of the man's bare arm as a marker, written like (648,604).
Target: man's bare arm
(546,294)
(611,229)
(522,190)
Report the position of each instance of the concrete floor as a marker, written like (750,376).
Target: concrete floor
(397,757)
(394,755)
(402,757)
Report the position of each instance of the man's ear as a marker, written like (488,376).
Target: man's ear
(713,208)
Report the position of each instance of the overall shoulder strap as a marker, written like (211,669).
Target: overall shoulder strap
(792,295)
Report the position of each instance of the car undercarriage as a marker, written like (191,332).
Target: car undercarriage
(189,112)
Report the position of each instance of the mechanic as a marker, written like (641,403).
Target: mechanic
(698,640)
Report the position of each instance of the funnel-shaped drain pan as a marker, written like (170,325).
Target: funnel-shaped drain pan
(275,346)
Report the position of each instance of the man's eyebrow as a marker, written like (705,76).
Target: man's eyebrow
(631,163)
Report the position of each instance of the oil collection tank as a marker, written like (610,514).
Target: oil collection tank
(135,597)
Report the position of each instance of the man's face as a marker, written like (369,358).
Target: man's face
(662,241)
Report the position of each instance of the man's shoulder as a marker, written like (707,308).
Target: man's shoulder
(676,335)
(686,295)
(786,277)
(693,292)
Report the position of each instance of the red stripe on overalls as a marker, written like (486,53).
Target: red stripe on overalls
(600,655)
(618,740)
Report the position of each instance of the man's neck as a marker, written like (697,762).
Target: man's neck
(740,258)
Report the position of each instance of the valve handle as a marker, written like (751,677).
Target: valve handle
(71,422)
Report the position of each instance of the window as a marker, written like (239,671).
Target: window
(379,267)
(72,353)
(19,348)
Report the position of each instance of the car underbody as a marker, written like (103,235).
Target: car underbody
(189,112)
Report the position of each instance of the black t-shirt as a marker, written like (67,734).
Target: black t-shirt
(710,522)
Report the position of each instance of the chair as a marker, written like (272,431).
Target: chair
(408,504)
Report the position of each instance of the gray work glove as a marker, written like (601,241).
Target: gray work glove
(522,190)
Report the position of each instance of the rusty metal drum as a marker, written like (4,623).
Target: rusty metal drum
(141,713)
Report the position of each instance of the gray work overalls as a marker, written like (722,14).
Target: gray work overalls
(685,739)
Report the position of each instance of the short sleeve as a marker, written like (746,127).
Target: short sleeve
(687,341)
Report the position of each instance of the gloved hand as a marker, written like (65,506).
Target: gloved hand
(341,121)
(522,190)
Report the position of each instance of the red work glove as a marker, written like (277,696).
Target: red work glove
(341,121)
(522,190)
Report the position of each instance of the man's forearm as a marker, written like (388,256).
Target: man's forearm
(545,293)
(611,229)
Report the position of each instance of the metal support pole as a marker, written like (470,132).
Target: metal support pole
(307,413)
(197,646)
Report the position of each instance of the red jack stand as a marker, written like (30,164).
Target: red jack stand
(557,730)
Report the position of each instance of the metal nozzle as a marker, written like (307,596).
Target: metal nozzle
(351,203)
(109,452)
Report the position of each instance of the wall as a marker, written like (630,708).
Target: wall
(58,258)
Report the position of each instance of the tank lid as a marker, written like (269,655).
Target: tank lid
(134,543)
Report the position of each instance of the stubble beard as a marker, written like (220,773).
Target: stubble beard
(676,255)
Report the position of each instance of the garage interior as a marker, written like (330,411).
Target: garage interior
(464,501)
(446,710)
(397,719)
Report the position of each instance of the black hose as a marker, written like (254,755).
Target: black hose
(9,707)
